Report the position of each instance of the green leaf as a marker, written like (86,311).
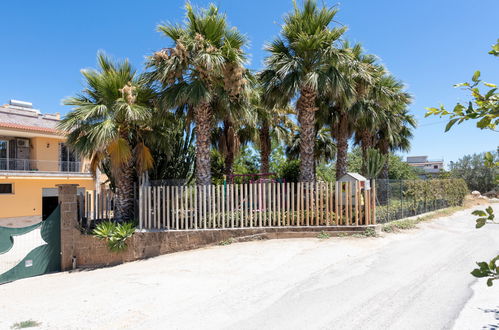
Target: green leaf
(479,213)
(490,282)
(480,223)
(483,123)
(450,124)
(489,210)
(483,266)
(476,76)
(477,273)
(490,85)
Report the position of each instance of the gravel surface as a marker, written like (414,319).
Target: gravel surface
(418,279)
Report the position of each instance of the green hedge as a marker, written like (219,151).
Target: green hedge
(401,199)
(451,191)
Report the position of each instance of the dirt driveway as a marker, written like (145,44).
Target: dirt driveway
(418,279)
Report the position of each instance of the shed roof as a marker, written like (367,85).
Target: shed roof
(353,175)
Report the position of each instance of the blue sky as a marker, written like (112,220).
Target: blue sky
(428,44)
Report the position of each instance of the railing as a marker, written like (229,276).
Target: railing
(270,204)
(29,165)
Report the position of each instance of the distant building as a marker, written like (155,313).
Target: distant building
(428,166)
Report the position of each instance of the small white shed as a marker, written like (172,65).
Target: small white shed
(364,184)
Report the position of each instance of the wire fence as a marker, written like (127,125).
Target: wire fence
(398,199)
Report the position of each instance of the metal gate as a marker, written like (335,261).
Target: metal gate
(32,250)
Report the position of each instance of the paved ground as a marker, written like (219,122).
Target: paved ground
(414,280)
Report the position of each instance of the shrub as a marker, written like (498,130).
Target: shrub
(323,235)
(115,234)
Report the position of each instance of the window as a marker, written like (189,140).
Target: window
(68,159)
(6,188)
(435,167)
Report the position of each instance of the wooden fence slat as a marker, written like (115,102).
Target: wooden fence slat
(251,188)
(213,207)
(366,207)
(357,203)
(373,185)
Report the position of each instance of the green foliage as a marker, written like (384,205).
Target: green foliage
(399,225)
(25,324)
(477,174)
(487,215)
(323,235)
(228,241)
(326,172)
(172,146)
(400,170)
(488,269)
(397,170)
(370,232)
(452,191)
(484,106)
(290,171)
(115,234)
(374,163)
(246,162)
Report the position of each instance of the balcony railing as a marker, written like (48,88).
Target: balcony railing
(29,165)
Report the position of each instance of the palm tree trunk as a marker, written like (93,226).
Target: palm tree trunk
(124,192)
(228,132)
(306,117)
(202,117)
(342,145)
(265,146)
(384,149)
(365,144)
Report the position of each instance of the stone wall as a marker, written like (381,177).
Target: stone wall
(92,252)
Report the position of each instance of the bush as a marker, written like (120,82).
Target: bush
(115,234)
(473,170)
(290,171)
(401,199)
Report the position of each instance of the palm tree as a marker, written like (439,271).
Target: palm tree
(395,133)
(369,112)
(172,142)
(229,138)
(296,67)
(108,123)
(204,64)
(273,123)
(325,147)
(340,100)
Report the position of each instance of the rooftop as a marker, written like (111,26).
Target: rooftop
(20,115)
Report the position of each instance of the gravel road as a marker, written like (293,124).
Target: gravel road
(418,279)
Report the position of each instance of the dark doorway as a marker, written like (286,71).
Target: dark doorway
(49,204)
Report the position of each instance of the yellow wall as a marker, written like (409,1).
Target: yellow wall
(27,197)
(46,152)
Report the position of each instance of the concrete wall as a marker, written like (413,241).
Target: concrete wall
(26,201)
(45,151)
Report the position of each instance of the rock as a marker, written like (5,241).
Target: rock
(492,194)
(475,193)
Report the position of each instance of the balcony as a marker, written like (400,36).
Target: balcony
(25,166)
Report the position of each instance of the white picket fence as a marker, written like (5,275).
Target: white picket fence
(269,204)
(97,205)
